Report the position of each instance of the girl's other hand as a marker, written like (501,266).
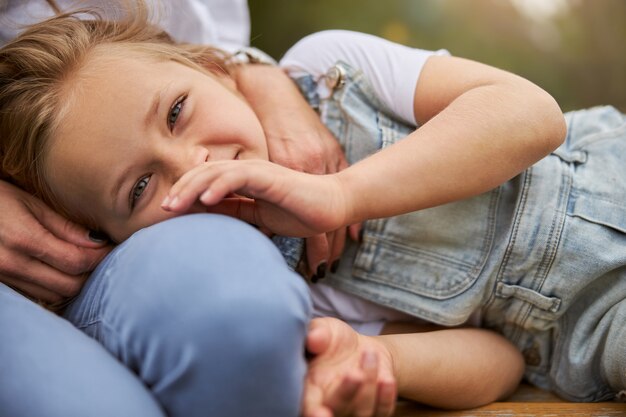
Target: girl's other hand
(349,374)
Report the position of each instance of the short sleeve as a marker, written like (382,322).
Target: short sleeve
(393,69)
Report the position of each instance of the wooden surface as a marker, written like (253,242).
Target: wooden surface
(527,402)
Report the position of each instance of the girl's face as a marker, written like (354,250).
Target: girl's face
(133,126)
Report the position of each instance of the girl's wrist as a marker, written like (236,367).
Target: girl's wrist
(349,203)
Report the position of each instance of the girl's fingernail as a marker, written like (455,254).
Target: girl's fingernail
(174,202)
(205,196)
(98,237)
(166,201)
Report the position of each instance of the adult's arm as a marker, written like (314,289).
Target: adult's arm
(43,254)
(296,139)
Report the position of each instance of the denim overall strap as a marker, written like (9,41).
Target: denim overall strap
(426,263)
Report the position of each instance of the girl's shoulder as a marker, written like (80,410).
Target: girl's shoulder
(392,69)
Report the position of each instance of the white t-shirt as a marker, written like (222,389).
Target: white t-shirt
(224,23)
(393,71)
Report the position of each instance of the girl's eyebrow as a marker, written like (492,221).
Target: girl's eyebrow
(153,110)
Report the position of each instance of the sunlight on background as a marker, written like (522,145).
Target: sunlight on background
(542,31)
(540,9)
(572,48)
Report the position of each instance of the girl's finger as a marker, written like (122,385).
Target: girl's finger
(318,337)
(238,207)
(217,179)
(312,402)
(365,402)
(342,397)
(386,398)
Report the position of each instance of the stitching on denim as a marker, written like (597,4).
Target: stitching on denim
(554,237)
(526,183)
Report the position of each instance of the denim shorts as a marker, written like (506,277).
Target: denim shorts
(560,289)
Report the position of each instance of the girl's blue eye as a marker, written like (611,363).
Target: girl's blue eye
(138,189)
(175,111)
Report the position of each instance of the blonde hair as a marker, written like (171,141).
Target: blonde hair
(36,71)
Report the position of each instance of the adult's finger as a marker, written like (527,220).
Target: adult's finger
(317,251)
(66,257)
(63,228)
(338,245)
(28,274)
(354,230)
(33,291)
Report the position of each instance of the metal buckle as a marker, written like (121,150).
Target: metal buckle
(335,77)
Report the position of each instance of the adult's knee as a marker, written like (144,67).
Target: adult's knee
(50,368)
(206,310)
(204,266)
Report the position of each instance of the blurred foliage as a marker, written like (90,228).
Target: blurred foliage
(576,53)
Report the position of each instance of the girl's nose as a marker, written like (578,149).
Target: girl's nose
(199,155)
(176,162)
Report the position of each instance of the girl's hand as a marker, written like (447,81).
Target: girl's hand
(276,199)
(350,374)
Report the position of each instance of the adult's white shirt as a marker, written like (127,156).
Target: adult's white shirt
(224,23)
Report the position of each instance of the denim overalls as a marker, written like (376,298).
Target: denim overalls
(541,257)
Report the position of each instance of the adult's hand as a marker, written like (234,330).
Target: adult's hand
(43,254)
(297,139)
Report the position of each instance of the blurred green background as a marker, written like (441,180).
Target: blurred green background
(575,49)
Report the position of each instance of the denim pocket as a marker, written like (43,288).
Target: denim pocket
(599,180)
(435,253)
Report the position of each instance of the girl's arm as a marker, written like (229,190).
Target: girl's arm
(454,368)
(450,368)
(480,126)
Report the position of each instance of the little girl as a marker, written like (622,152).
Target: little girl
(119,128)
